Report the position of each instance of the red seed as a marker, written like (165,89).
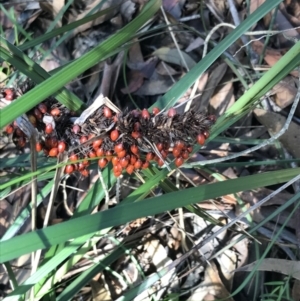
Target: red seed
(115,161)
(134,149)
(48,128)
(119,147)
(73,157)
(100,152)
(97,143)
(85,173)
(138,164)
(38,146)
(117,168)
(121,154)
(76,129)
(86,162)
(172,112)
(92,154)
(9,94)
(155,110)
(130,169)
(9,129)
(83,139)
(53,152)
(185,154)
(55,112)
(176,152)
(8,91)
(115,118)
(159,146)
(102,162)
(145,114)
(80,166)
(179,161)
(43,108)
(61,146)
(189,149)
(117,173)
(124,162)
(114,135)
(149,156)
(206,134)
(136,135)
(133,159)
(145,165)
(21,142)
(109,155)
(107,112)
(37,113)
(160,162)
(201,139)
(9,97)
(69,169)
(179,144)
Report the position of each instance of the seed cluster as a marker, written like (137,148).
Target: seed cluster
(130,140)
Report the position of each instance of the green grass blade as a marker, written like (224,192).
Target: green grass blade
(65,28)
(62,77)
(178,90)
(124,213)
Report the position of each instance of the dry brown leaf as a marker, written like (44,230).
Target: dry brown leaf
(57,5)
(262,213)
(254,196)
(163,68)
(5,216)
(135,55)
(274,123)
(282,266)
(212,287)
(99,292)
(159,258)
(171,55)
(135,80)
(285,92)
(88,25)
(127,10)
(222,100)
(296,290)
(173,7)
(110,76)
(196,43)
(214,79)
(228,261)
(291,12)
(254,5)
(271,57)
(154,87)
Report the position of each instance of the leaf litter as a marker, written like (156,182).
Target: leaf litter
(152,67)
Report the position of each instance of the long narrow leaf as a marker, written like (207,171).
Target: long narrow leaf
(62,77)
(121,214)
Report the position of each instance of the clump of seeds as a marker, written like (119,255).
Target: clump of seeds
(130,140)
